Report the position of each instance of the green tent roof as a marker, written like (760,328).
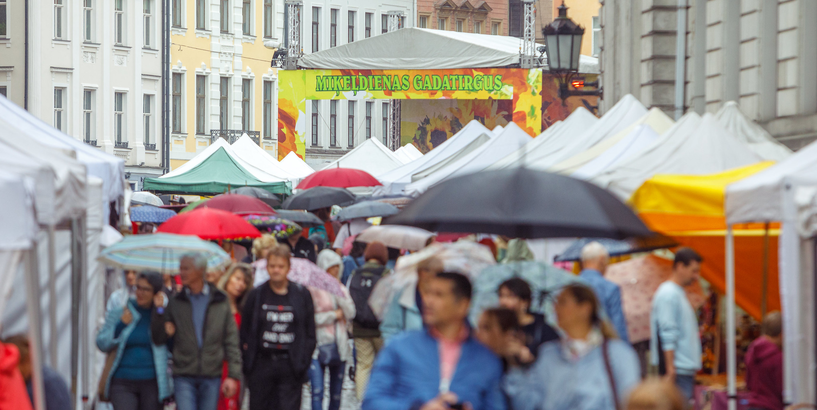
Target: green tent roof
(214,175)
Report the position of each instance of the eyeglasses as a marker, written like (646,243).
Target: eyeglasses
(144,289)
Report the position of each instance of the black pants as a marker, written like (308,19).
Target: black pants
(273,384)
(134,394)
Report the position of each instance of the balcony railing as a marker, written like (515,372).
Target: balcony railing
(91,143)
(120,144)
(232,136)
(150,147)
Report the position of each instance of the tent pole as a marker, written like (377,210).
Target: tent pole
(52,296)
(765,288)
(35,334)
(731,367)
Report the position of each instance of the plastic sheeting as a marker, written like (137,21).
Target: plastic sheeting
(370,156)
(690,147)
(249,152)
(510,140)
(395,180)
(760,141)
(654,118)
(553,139)
(408,49)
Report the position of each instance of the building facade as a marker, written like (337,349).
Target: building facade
(468,16)
(335,127)
(93,71)
(222,83)
(759,53)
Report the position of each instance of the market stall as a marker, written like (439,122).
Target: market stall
(370,156)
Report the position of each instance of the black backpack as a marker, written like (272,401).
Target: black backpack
(361,284)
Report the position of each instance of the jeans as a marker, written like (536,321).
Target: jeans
(273,383)
(134,394)
(686,384)
(336,374)
(197,393)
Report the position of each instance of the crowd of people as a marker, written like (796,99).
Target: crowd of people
(250,336)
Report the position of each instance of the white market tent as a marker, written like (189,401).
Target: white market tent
(370,156)
(784,193)
(690,147)
(554,138)
(470,137)
(637,140)
(258,170)
(408,153)
(246,150)
(510,140)
(759,140)
(407,49)
(293,164)
(654,118)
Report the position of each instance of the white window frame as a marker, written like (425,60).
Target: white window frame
(246,98)
(351,20)
(88,20)
(4,90)
(224,15)
(224,102)
(88,115)
(180,110)
(596,32)
(478,27)
(247,17)
(368,20)
(423,23)
(60,20)
(334,16)
(384,23)
(460,25)
(268,109)
(496,28)
(333,123)
(442,23)
(148,118)
(147,19)
(204,102)
(269,18)
(316,29)
(351,107)
(60,120)
(315,123)
(385,124)
(368,115)
(201,14)
(120,117)
(177,13)
(5,22)
(120,31)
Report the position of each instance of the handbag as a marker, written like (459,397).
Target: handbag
(106,371)
(609,369)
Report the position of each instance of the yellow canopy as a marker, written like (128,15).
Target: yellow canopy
(690,209)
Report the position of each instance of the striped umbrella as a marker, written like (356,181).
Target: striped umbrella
(161,252)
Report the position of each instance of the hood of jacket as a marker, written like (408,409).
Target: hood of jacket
(9,358)
(762,351)
(329,258)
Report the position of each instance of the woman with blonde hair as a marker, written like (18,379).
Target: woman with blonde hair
(260,249)
(236,284)
(588,369)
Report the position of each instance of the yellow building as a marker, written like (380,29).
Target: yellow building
(222,84)
(583,12)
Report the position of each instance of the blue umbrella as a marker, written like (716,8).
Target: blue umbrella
(616,247)
(545,281)
(149,213)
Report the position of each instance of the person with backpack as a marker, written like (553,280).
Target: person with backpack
(366,327)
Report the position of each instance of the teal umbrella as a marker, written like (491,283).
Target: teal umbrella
(161,252)
(545,281)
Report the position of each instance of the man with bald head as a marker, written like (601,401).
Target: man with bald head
(595,259)
(204,333)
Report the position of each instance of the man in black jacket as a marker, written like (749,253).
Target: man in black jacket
(277,337)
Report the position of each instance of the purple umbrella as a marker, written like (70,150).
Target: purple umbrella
(304,272)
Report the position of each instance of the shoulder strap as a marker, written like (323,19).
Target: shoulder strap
(609,369)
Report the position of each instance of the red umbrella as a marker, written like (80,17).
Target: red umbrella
(239,205)
(208,223)
(339,178)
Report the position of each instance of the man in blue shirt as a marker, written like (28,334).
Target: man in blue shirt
(595,259)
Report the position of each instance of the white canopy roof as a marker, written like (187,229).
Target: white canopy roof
(110,169)
(655,118)
(257,170)
(639,139)
(760,141)
(691,147)
(510,140)
(67,197)
(408,49)
(473,135)
(408,153)
(18,225)
(293,164)
(553,139)
(247,150)
(370,156)
(758,197)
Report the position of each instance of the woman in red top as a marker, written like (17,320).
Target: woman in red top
(236,284)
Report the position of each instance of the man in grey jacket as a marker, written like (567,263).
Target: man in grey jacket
(204,333)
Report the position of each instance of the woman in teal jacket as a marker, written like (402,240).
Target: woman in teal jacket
(138,378)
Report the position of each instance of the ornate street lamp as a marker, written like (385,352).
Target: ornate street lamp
(563,43)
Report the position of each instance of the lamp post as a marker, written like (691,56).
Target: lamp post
(563,43)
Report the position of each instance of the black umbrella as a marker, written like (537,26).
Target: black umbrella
(305,219)
(616,247)
(319,197)
(266,196)
(522,203)
(366,209)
